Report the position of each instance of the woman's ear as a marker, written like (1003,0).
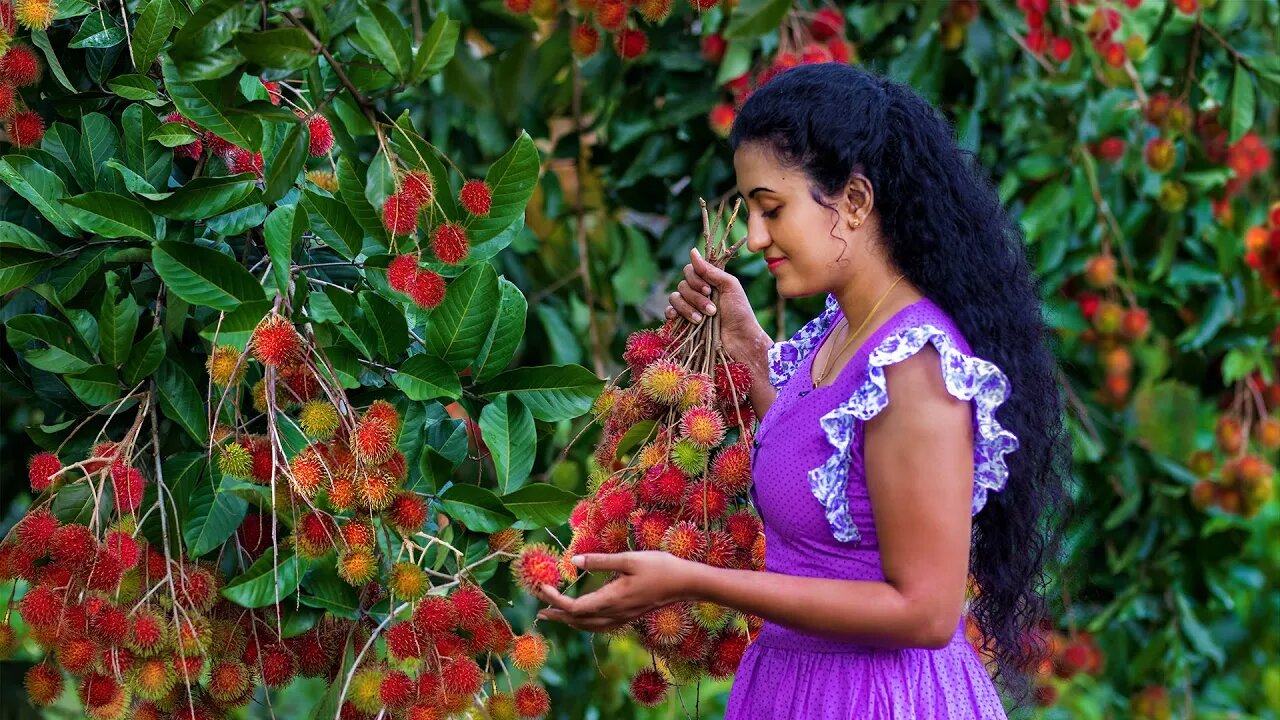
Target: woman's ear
(859,200)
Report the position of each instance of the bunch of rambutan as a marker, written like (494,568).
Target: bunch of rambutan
(671,472)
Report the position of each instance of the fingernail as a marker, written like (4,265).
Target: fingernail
(706,289)
(711,309)
(697,317)
(577,561)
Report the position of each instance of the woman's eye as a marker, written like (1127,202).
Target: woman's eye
(771,214)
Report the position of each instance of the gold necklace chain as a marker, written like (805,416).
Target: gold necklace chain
(831,358)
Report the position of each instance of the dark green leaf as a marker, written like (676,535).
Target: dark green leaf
(388,323)
(540,506)
(288,162)
(235,328)
(511,178)
(351,192)
(508,431)
(212,25)
(459,326)
(387,38)
(753,18)
(322,588)
(96,386)
(212,516)
(475,507)
(203,276)
(285,49)
(144,358)
(272,578)
(147,158)
(551,392)
(110,215)
(19,267)
(180,401)
(16,236)
(40,186)
(205,197)
(209,104)
(151,29)
(40,39)
(283,231)
(56,350)
(117,323)
(437,48)
(333,223)
(424,377)
(1243,103)
(505,334)
(99,142)
(99,30)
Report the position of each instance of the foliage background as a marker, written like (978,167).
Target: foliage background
(1176,597)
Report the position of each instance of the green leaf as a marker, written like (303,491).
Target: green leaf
(736,61)
(151,29)
(339,308)
(283,231)
(289,160)
(351,192)
(117,323)
(1198,635)
(70,278)
(1220,310)
(235,328)
(285,49)
(144,358)
(479,509)
(110,215)
(134,182)
(425,377)
(100,140)
(206,197)
(212,25)
(76,504)
(333,223)
(212,516)
(507,428)
(208,102)
(16,236)
(180,401)
(387,38)
(388,322)
(753,18)
(58,350)
(322,588)
(99,30)
(203,276)
(96,386)
(40,39)
(437,48)
(173,134)
(505,333)
(134,87)
(1243,103)
(40,186)
(459,326)
(511,178)
(19,267)
(540,506)
(551,392)
(267,581)
(148,158)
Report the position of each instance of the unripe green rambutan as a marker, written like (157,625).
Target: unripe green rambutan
(603,403)
(689,456)
(318,419)
(365,692)
(710,616)
(501,706)
(235,460)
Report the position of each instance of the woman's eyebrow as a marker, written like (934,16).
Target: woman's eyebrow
(756,190)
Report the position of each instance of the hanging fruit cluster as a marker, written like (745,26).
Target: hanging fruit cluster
(593,17)
(1262,249)
(671,473)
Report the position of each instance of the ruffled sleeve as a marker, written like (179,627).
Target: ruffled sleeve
(786,355)
(966,377)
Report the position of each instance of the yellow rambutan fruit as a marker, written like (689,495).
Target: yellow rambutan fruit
(225,366)
(663,382)
(357,566)
(318,419)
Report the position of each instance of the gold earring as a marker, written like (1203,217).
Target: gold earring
(857,222)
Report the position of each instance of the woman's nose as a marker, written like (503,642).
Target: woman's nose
(757,236)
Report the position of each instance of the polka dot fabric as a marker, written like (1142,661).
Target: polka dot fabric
(788,673)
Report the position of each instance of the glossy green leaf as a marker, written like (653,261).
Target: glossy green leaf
(1243,103)
(40,186)
(211,26)
(173,134)
(388,324)
(508,431)
(203,276)
(283,232)
(333,223)
(479,509)
(511,178)
(212,516)
(387,38)
(180,400)
(437,48)
(273,577)
(322,588)
(505,333)
(460,324)
(752,18)
(117,323)
(209,103)
(425,377)
(150,31)
(205,197)
(99,30)
(551,392)
(47,344)
(540,506)
(285,49)
(18,267)
(96,386)
(351,192)
(147,158)
(110,215)
(144,358)
(134,87)
(290,159)
(16,236)
(40,39)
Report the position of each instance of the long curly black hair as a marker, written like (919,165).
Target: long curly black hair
(943,228)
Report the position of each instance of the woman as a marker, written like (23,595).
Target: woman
(911,435)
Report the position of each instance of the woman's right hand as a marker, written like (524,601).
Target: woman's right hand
(740,332)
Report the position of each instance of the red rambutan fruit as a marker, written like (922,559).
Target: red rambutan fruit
(449,243)
(419,186)
(476,197)
(228,680)
(278,666)
(731,469)
(73,544)
(401,271)
(20,66)
(726,653)
(400,214)
(78,655)
(529,652)
(630,43)
(359,534)
(407,514)
(611,14)
(403,642)
(643,348)
(41,470)
(111,626)
(397,690)
(649,687)
(321,135)
(240,160)
(434,615)
(538,564)
(732,380)
(7,96)
(197,586)
(273,90)
(37,529)
(129,490)
(667,625)
(532,701)
(275,342)
(706,502)
(703,425)
(25,129)
(470,604)
(146,632)
(99,691)
(315,534)
(121,546)
(461,676)
(192,149)
(743,526)
(616,505)
(585,41)
(427,289)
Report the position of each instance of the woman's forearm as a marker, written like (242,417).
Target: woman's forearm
(756,358)
(873,613)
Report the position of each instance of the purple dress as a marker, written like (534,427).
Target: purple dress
(811,493)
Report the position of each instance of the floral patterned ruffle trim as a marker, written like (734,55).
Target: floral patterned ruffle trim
(785,356)
(967,378)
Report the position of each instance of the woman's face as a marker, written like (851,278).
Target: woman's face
(805,244)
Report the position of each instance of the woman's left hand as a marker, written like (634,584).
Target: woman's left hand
(646,580)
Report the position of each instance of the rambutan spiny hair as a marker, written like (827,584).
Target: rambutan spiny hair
(942,227)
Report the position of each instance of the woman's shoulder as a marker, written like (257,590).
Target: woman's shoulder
(787,355)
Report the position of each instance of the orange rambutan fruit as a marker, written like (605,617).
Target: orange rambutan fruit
(308,471)
(408,581)
(757,552)
(508,540)
(529,652)
(532,701)
(667,625)
(373,441)
(384,411)
(699,389)
(153,678)
(43,683)
(343,492)
(611,14)
(706,502)
(731,469)
(703,425)
(649,527)
(357,533)
(537,565)
(315,534)
(685,540)
(275,342)
(407,514)
(663,381)
(357,566)
(376,489)
(584,41)
(78,654)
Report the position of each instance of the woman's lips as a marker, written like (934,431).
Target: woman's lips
(774,262)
